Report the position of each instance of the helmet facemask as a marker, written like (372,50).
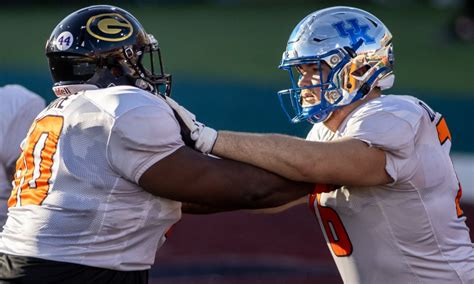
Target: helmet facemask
(139,64)
(329,87)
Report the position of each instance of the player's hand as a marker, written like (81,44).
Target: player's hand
(195,134)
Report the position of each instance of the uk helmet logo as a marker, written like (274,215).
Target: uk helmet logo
(109,27)
(354,31)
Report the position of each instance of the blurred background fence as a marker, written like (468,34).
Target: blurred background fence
(223,56)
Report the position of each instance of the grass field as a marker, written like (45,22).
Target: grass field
(245,43)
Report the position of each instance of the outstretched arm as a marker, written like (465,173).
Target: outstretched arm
(345,161)
(190,177)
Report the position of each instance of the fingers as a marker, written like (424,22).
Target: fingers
(194,133)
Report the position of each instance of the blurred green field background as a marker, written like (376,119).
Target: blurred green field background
(224,60)
(224,57)
(244,43)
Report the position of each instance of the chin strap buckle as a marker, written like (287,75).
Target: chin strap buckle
(129,53)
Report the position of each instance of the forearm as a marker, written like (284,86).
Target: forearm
(222,184)
(255,187)
(344,161)
(273,152)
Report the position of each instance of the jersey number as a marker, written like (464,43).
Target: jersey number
(34,167)
(444,135)
(336,233)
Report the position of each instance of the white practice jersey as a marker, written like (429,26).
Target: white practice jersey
(76,197)
(409,231)
(18,108)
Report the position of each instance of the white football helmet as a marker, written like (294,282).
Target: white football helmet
(356,46)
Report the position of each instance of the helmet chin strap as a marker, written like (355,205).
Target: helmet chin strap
(103,78)
(143,84)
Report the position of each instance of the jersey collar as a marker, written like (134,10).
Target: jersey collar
(67,90)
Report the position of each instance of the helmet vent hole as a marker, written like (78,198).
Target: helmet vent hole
(372,21)
(319,39)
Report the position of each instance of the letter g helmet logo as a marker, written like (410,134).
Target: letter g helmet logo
(109,27)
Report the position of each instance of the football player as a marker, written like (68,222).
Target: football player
(390,211)
(18,107)
(104,168)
